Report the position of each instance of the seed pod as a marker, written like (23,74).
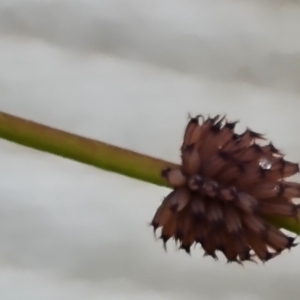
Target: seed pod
(225,188)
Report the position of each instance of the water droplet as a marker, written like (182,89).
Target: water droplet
(265,164)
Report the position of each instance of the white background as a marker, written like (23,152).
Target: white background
(128,72)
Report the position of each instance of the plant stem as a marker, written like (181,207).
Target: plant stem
(85,150)
(97,154)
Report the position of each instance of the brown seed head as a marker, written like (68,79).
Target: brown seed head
(225,187)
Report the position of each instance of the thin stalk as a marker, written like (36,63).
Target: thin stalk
(82,149)
(96,153)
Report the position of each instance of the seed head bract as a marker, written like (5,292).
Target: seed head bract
(226,186)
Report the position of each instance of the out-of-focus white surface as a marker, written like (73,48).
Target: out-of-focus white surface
(129,72)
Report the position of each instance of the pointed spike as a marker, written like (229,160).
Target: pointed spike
(269,256)
(155,227)
(214,119)
(250,257)
(218,125)
(195,119)
(165,246)
(273,149)
(164,238)
(255,135)
(276,239)
(186,248)
(212,254)
(291,242)
(189,132)
(231,125)
(154,224)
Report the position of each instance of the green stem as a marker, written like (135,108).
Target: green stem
(85,150)
(95,153)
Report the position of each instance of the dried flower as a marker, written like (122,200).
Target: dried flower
(225,187)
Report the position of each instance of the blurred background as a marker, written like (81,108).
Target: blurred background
(128,72)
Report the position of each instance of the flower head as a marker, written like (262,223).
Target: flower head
(226,186)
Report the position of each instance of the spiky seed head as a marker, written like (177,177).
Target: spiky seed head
(225,187)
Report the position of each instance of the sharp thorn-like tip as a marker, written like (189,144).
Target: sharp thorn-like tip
(165,246)
(165,239)
(186,248)
(196,118)
(291,242)
(255,135)
(214,119)
(213,255)
(155,225)
(273,149)
(269,256)
(231,125)
(216,127)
